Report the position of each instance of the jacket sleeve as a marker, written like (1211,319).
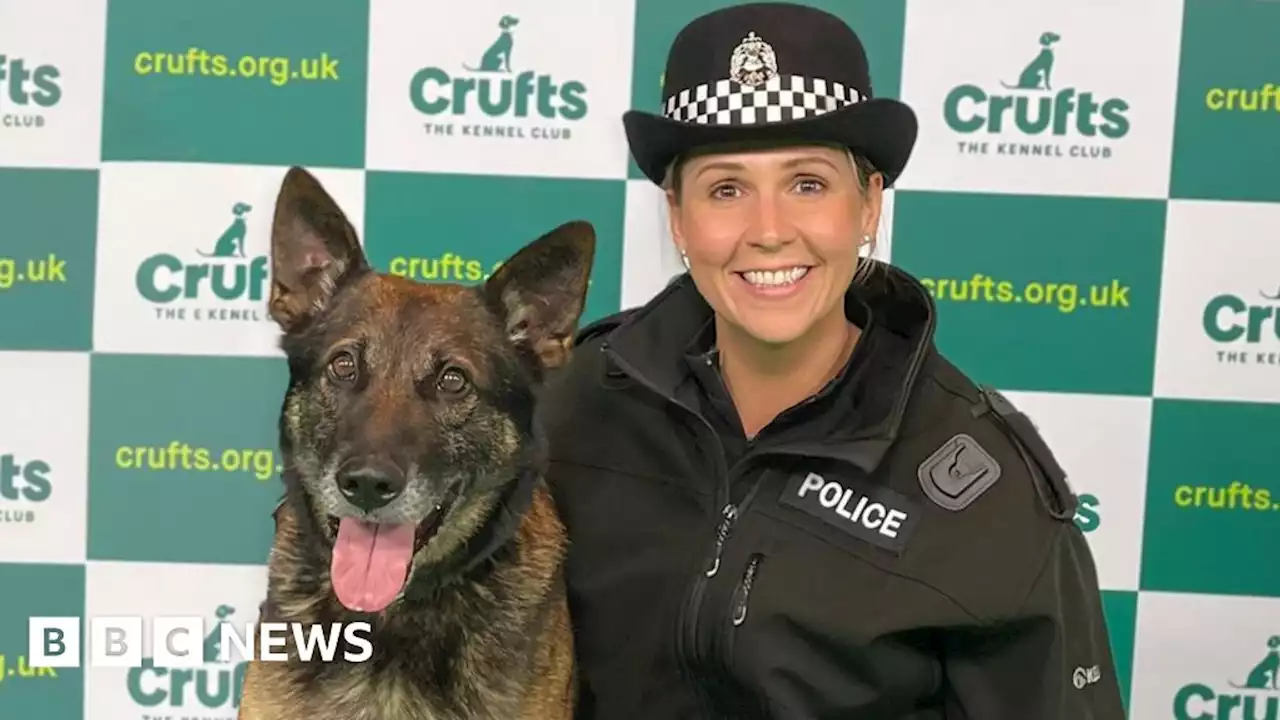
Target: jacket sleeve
(1050,660)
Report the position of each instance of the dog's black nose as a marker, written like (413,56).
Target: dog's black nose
(370,486)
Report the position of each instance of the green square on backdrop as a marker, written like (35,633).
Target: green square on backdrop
(1213,501)
(1043,293)
(47,258)
(1227,128)
(1121,611)
(457,228)
(236,81)
(49,590)
(184,457)
(879,23)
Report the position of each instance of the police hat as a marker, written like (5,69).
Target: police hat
(773,74)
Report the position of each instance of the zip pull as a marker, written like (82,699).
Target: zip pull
(728,515)
(743,593)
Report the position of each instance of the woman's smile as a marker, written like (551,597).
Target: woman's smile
(775,283)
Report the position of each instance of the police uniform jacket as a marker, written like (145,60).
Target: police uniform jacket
(900,546)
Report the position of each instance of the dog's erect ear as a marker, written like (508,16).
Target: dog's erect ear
(541,291)
(313,249)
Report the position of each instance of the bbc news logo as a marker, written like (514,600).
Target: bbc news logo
(182,642)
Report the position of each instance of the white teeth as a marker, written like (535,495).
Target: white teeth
(775,278)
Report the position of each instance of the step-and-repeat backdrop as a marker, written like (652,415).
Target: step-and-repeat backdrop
(1094,198)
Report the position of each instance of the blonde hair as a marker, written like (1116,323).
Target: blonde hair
(863,170)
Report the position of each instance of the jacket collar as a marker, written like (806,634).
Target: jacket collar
(651,346)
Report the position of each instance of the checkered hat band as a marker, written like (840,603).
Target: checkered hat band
(782,98)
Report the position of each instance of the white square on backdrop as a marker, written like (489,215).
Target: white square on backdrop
(460,89)
(1198,654)
(1101,125)
(1219,331)
(215,593)
(53,117)
(44,456)
(183,263)
(1101,441)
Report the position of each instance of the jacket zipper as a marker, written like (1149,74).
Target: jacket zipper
(742,595)
(730,512)
(739,603)
(739,606)
(691,613)
(686,638)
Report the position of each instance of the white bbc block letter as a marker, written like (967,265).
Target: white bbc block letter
(177,642)
(53,642)
(115,642)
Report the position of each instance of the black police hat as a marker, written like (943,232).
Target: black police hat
(770,73)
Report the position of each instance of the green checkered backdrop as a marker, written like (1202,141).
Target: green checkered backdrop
(1103,249)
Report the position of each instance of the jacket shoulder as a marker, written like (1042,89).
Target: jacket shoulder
(989,440)
(992,490)
(575,394)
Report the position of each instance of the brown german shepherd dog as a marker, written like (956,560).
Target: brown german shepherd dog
(414,493)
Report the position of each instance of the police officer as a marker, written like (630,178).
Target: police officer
(782,501)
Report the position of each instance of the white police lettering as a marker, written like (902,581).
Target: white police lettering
(869,513)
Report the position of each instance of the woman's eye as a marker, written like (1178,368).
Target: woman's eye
(724,192)
(809,185)
(343,367)
(453,382)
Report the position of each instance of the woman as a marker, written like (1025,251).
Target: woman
(783,502)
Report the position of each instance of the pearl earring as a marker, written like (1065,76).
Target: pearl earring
(684,259)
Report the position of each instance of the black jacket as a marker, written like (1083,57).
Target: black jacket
(899,547)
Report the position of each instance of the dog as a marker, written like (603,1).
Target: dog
(414,496)
(1035,76)
(498,57)
(231,244)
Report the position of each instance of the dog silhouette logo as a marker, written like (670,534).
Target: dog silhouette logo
(1266,674)
(498,57)
(1036,75)
(213,641)
(231,244)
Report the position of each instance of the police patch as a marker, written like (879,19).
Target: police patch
(871,513)
(958,473)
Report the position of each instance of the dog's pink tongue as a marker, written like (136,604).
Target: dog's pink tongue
(370,563)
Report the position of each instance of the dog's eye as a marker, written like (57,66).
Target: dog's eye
(453,382)
(343,367)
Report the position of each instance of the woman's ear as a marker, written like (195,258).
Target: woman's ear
(872,204)
(674,224)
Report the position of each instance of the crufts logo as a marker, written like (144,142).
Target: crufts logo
(1247,332)
(23,486)
(1036,116)
(27,91)
(490,98)
(227,286)
(1257,695)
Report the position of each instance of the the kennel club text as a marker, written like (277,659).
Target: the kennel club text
(183,642)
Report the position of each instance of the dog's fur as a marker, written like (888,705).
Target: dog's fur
(476,635)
